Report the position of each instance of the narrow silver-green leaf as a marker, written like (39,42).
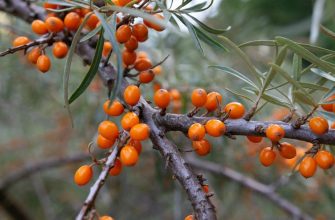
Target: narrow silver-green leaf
(207,28)
(208,40)
(303,98)
(323,74)
(193,34)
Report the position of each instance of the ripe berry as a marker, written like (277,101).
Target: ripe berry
(153,25)
(287,150)
(43,63)
(92,22)
(131,44)
(235,109)
(132,95)
(106,217)
(205,188)
(60,50)
(324,159)
(329,107)
(104,143)
(19,41)
(123,2)
(34,54)
(157,70)
(142,64)
(83,175)
(175,94)
(128,155)
(107,48)
(140,31)
(189,217)
(142,54)
(72,21)
(254,139)
(128,57)
(267,156)
(146,76)
(137,145)
(332,126)
(47,5)
(162,98)
(213,98)
(108,130)
(117,168)
(115,109)
(307,167)
(123,33)
(215,128)
(275,132)
(196,132)
(140,132)
(318,125)
(202,147)
(199,97)
(54,24)
(39,27)
(129,120)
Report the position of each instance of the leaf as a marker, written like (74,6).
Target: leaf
(297,64)
(92,71)
(325,57)
(258,43)
(91,34)
(199,7)
(270,98)
(329,93)
(208,40)
(207,28)
(239,95)
(328,32)
(184,3)
(313,86)
(303,98)
(323,74)
(62,10)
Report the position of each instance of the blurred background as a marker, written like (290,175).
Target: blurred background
(35,126)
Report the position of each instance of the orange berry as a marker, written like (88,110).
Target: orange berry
(54,24)
(19,41)
(140,132)
(60,49)
(108,130)
(123,2)
(254,139)
(128,155)
(196,132)
(324,159)
(157,70)
(137,145)
(307,167)
(146,76)
(202,147)
(129,120)
(318,125)
(47,5)
(117,168)
(43,63)
(332,126)
(329,107)
(104,143)
(142,64)
(189,217)
(267,156)
(107,48)
(72,21)
(115,109)
(275,132)
(83,175)
(84,11)
(175,94)
(287,150)
(123,33)
(153,25)
(140,31)
(205,188)
(106,217)
(131,44)
(199,97)
(162,98)
(142,54)
(235,109)
(39,27)
(128,57)
(215,127)
(156,86)
(213,98)
(34,54)
(132,95)
(92,21)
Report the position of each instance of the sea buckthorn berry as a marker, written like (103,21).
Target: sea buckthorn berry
(117,168)
(60,50)
(189,217)
(275,132)
(108,130)
(157,70)
(196,132)
(131,44)
(142,64)
(115,109)
(215,127)
(140,132)
(140,31)
(54,24)
(318,125)
(175,94)
(106,217)
(199,97)
(129,120)
(202,147)
(332,126)
(43,63)
(287,150)
(39,27)
(324,159)
(72,21)
(132,95)
(123,2)
(92,21)
(255,139)
(128,155)
(205,188)
(128,57)
(123,33)
(307,167)
(162,98)
(235,109)
(19,41)
(329,107)
(156,86)
(137,145)
(213,98)
(267,156)
(83,175)
(142,54)
(84,11)
(153,25)
(104,143)
(146,76)
(34,54)
(107,48)
(47,5)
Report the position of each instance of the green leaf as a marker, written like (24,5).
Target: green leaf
(92,71)
(258,43)
(184,3)
(297,64)
(313,86)
(208,40)
(270,98)
(325,57)
(329,93)
(207,28)
(91,34)
(323,74)
(240,95)
(303,98)
(199,7)
(62,10)
(328,32)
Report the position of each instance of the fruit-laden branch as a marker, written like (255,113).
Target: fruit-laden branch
(174,122)
(264,190)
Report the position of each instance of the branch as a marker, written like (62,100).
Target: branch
(252,184)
